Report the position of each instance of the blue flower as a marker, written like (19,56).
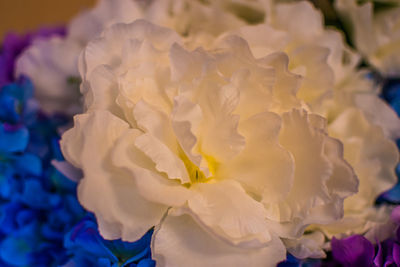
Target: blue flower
(292,261)
(90,249)
(16,101)
(38,205)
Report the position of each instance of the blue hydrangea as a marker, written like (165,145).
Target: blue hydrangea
(90,249)
(35,211)
(41,220)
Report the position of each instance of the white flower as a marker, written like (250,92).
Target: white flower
(348,99)
(52,63)
(211,146)
(330,87)
(376,36)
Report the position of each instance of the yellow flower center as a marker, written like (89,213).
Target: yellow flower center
(195,174)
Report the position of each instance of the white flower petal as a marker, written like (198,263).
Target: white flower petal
(312,168)
(379,113)
(186,65)
(263,39)
(343,181)
(42,63)
(305,20)
(227,209)
(219,135)
(150,184)
(100,91)
(263,159)
(151,120)
(186,117)
(362,20)
(286,83)
(91,23)
(179,241)
(318,79)
(165,159)
(372,156)
(342,59)
(114,206)
(106,49)
(308,246)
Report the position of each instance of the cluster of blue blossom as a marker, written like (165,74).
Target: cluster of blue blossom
(41,220)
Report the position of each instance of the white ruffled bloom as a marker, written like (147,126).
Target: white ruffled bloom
(330,87)
(348,99)
(211,146)
(333,88)
(376,36)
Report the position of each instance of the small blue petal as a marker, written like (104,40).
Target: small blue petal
(9,109)
(8,214)
(25,217)
(13,139)
(15,251)
(146,263)
(130,251)
(22,90)
(104,262)
(8,184)
(84,238)
(28,164)
(34,196)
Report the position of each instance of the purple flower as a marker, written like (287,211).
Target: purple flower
(355,250)
(388,254)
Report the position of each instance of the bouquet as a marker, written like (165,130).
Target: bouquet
(203,133)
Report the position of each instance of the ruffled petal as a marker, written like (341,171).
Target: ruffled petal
(116,215)
(263,159)
(90,24)
(180,241)
(152,185)
(372,156)
(165,160)
(312,169)
(227,209)
(379,113)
